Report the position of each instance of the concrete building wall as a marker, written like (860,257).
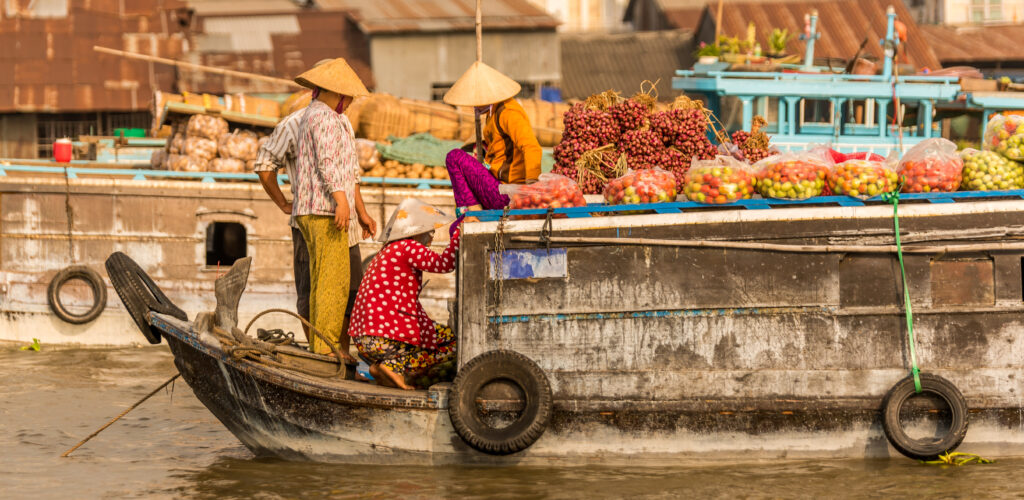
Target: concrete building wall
(409,65)
(586,15)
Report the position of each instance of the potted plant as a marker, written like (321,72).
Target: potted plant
(708,53)
(731,48)
(777,41)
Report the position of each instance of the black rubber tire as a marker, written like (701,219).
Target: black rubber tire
(924,449)
(99,294)
(139,294)
(486,368)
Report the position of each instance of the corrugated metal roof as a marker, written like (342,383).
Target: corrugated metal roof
(843,24)
(595,63)
(400,16)
(970,44)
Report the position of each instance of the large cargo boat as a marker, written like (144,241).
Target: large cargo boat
(759,329)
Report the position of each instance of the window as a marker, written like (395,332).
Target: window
(438,90)
(986,10)
(225,243)
(816,111)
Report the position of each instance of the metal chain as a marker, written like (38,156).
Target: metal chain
(499,252)
(69,213)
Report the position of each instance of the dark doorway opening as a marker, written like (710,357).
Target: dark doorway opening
(225,243)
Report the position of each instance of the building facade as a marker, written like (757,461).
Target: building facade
(578,16)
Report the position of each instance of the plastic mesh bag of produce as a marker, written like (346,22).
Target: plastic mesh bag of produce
(186,163)
(990,171)
(177,144)
(227,165)
(932,165)
(863,179)
(210,127)
(550,191)
(240,144)
(199,147)
(418,148)
(367,152)
(1005,135)
(794,175)
(721,180)
(649,185)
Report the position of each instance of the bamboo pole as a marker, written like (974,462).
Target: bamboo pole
(774,247)
(195,67)
(479,57)
(115,419)
(718,21)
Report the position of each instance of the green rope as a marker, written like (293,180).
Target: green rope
(894,198)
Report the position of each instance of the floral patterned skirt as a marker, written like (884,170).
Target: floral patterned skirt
(420,367)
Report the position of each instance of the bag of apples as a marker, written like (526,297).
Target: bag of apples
(793,176)
(932,165)
(718,181)
(863,178)
(550,191)
(649,185)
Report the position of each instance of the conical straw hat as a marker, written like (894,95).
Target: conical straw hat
(481,85)
(336,76)
(413,217)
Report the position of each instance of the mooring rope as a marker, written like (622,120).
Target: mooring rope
(893,197)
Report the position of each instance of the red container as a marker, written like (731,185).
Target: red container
(62,150)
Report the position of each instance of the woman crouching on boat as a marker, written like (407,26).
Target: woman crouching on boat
(392,332)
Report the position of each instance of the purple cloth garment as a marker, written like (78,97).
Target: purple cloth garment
(472,183)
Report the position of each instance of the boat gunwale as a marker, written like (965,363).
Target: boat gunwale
(337,391)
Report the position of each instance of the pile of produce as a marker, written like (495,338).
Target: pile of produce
(718,181)
(642,186)
(550,191)
(203,144)
(792,176)
(752,146)
(989,171)
(395,170)
(1005,135)
(862,178)
(667,139)
(932,165)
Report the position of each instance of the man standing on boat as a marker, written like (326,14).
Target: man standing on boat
(316,147)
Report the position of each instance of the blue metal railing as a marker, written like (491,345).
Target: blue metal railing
(826,77)
(73,172)
(601,209)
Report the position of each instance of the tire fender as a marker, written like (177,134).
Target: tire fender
(96,284)
(925,448)
(139,294)
(507,366)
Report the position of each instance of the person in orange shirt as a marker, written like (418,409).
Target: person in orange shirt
(512,153)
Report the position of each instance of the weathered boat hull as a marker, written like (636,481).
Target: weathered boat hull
(279,414)
(163,225)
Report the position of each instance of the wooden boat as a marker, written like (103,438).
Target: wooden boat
(761,329)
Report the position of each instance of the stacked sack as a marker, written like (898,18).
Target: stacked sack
(205,145)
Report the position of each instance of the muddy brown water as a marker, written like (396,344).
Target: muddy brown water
(172,447)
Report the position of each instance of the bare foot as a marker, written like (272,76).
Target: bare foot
(388,378)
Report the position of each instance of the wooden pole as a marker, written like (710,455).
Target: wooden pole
(718,21)
(774,247)
(479,57)
(115,419)
(195,67)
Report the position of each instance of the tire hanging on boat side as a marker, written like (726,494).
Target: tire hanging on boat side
(493,366)
(926,448)
(86,274)
(139,294)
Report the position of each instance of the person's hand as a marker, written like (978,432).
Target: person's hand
(341,216)
(369,226)
(286,208)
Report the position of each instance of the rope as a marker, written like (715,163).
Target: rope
(239,345)
(123,413)
(894,198)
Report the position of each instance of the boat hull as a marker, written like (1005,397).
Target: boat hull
(275,413)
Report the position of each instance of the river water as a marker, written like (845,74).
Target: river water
(172,447)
